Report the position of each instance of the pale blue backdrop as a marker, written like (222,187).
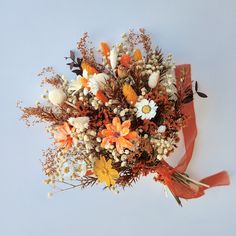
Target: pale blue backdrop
(34,34)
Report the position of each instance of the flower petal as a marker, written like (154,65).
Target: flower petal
(124,131)
(107,132)
(116,123)
(126,124)
(131,135)
(119,147)
(124,143)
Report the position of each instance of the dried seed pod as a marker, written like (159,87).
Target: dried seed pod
(137,55)
(153,79)
(122,72)
(57,97)
(113,58)
(129,93)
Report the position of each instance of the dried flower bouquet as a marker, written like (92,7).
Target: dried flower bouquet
(119,119)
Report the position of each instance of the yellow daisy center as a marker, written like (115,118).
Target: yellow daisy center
(146,109)
(67,170)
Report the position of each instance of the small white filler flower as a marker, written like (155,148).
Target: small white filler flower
(146,109)
(80,123)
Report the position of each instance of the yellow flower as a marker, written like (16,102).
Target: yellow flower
(129,93)
(104,171)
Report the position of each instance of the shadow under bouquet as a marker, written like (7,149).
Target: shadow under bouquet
(120,118)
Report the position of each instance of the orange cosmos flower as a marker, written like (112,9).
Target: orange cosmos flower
(119,134)
(62,135)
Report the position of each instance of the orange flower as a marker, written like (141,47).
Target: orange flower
(119,134)
(62,135)
(125,60)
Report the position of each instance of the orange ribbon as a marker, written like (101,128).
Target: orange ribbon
(165,171)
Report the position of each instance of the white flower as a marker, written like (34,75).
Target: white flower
(80,168)
(75,85)
(93,85)
(67,170)
(97,82)
(153,79)
(80,123)
(57,97)
(113,58)
(146,109)
(161,129)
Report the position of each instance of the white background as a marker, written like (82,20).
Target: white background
(40,33)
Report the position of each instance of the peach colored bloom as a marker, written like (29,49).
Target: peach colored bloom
(119,134)
(62,135)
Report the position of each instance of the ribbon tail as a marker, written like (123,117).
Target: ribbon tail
(219,179)
(190,131)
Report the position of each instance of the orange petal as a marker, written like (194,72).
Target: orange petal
(124,131)
(84,82)
(125,143)
(110,127)
(100,95)
(107,132)
(119,148)
(105,141)
(131,135)
(85,66)
(66,127)
(126,124)
(116,123)
(137,54)
(89,172)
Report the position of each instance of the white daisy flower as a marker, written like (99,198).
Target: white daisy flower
(146,109)
(67,170)
(93,85)
(80,168)
(97,82)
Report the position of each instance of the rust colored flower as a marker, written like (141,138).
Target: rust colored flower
(119,134)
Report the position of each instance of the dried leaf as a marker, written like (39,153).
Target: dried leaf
(72,55)
(196,86)
(77,72)
(202,95)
